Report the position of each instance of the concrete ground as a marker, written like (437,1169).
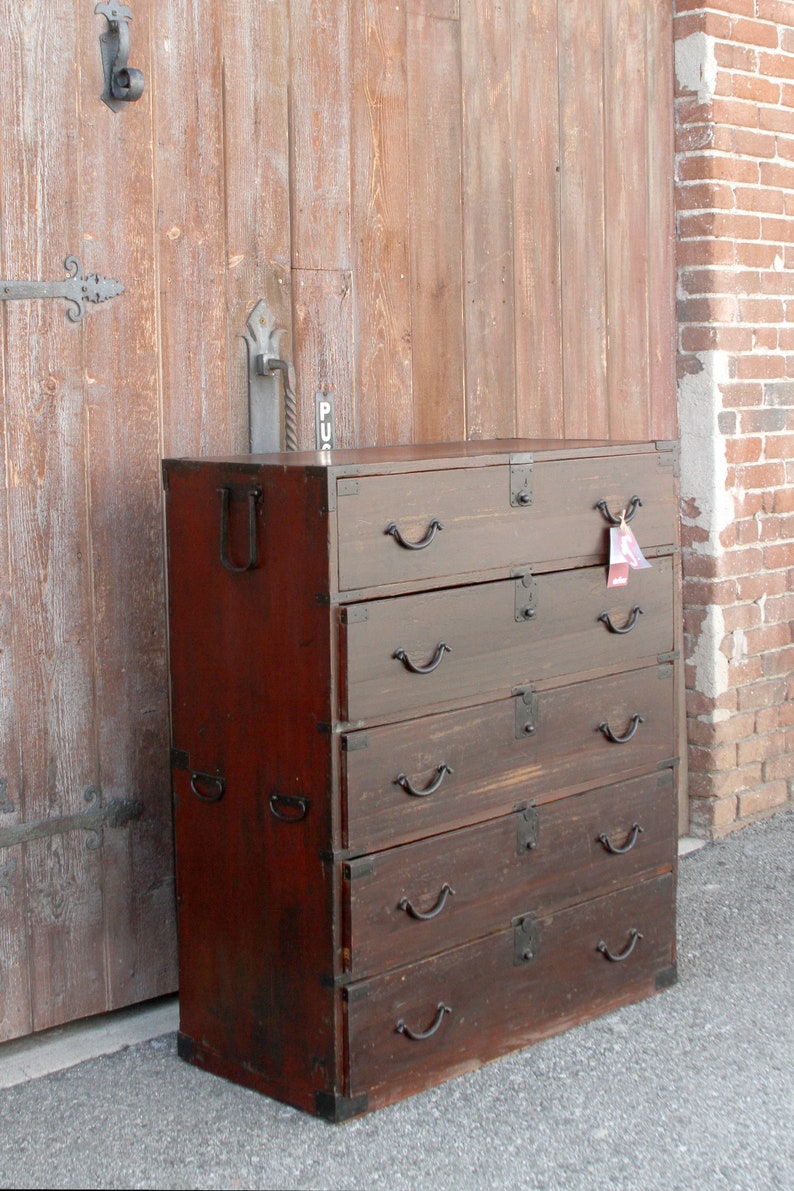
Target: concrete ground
(693,1088)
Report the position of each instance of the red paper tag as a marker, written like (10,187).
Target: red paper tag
(624,554)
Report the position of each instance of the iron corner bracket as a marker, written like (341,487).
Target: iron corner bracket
(335,1108)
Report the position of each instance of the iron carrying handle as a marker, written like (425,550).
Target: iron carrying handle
(628,512)
(289,808)
(435,661)
(254,496)
(410,908)
(636,720)
(421,1035)
(631,840)
(208,787)
(432,529)
(634,935)
(634,616)
(404,781)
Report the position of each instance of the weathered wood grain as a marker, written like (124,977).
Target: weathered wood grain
(434,162)
(488,257)
(627,240)
(582,217)
(319,40)
(381,228)
(324,351)
(661,229)
(536,186)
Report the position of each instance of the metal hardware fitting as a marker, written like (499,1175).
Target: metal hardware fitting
(6,873)
(265,364)
(441,772)
(76,289)
(208,787)
(526,596)
(425,915)
(289,808)
(123,84)
(432,529)
(400,655)
(421,1035)
(527,712)
(527,830)
(627,515)
(614,849)
(254,495)
(526,940)
(521,481)
(116,813)
(613,738)
(634,616)
(617,958)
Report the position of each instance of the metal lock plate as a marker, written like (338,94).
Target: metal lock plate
(525,940)
(527,712)
(526,597)
(521,481)
(527,830)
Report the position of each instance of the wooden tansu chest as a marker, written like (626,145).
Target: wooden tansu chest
(423,757)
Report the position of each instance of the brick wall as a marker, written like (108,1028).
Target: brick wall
(735,212)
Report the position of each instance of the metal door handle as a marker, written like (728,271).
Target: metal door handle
(636,720)
(628,512)
(421,1035)
(636,613)
(405,782)
(629,844)
(432,529)
(405,904)
(123,84)
(441,649)
(634,935)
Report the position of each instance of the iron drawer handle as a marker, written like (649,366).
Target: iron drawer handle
(213,785)
(404,904)
(629,844)
(295,807)
(254,496)
(636,720)
(629,512)
(634,935)
(404,781)
(435,661)
(636,613)
(432,529)
(419,1036)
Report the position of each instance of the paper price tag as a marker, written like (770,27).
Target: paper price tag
(624,555)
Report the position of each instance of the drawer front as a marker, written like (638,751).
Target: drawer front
(405,781)
(422,898)
(484,999)
(413,651)
(462,518)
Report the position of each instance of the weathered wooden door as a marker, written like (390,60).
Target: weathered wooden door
(459,213)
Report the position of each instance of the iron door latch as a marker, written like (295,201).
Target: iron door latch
(123,84)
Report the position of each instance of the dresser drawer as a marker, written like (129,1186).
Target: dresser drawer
(414,651)
(409,1028)
(422,898)
(455,519)
(408,780)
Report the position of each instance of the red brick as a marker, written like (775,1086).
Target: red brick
(777,119)
(699,136)
(760,366)
(765,693)
(775,174)
(758,255)
(747,504)
(759,748)
(709,760)
(780,446)
(754,587)
(772,10)
(756,198)
(717,167)
(702,592)
(747,532)
(708,338)
(710,816)
(757,88)
(745,674)
(760,475)
(768,636)
(749,32)
(761,310)
(704,196)
(718,308)
(778,663)
(707,733)
(776,66)
(777,229)
(744,450)
(704,252)
(763,800)
(722,785)
(741,616)
(776,557)
(730,56)
(778,608)
(699,704)
(779,768)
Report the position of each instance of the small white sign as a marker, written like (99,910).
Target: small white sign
(324,421)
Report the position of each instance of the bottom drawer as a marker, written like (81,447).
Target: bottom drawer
(416,1026)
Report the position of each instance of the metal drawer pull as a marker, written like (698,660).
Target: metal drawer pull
(435,661)
(404,904)
(254,496)
(209,787)
(629,844)
(636,613)
(636,720)
(404,781)
(625,953)
(419,1036)
(432,529)
(289,808)
(628,513)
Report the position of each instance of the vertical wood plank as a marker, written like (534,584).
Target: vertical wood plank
(255,93)
(488,220)
(48,512)
(662,328)
(434,156)
(324,350)
(380,224)
(191,243)
(320,133)
(536,185)
(582,238)
(122,437)
(626,210)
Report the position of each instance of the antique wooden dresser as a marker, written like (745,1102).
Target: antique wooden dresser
(423,760)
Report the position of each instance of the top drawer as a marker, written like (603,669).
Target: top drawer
(422,525)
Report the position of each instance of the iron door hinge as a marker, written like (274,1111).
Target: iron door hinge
(76,289)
